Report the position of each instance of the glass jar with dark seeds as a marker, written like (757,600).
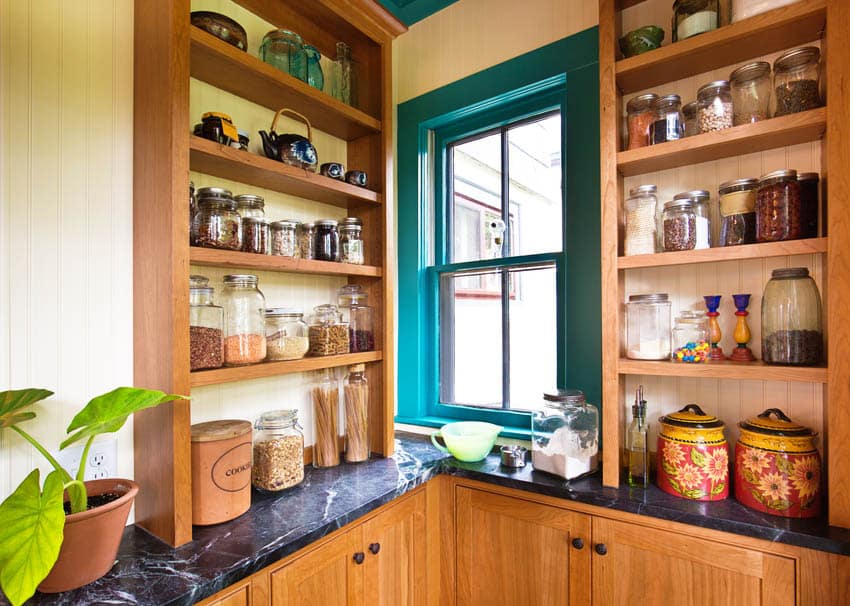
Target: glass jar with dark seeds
(216,223)
(737,212)
(679,223)
(796,81)
(326,241)
(255,235)
(809,187)
(791,319)
(778,208)
(669,123)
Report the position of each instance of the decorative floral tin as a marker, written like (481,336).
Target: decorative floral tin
(777,467)
(693,455)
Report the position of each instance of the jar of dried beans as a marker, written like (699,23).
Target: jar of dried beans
(216,224)
(796,81)
(286,334)
(750,86)
(249,205)
(358,316)
(278,451)
(778,208)
(328,334)
(306,238)
(640,221)
(206,336)
(791,331)
(326,241)
(737,212)
(714,106)
(284,239)
(350,241)
(700,199)
(669,123)
(680,225)
(640,112)
(244,320)
(255,235)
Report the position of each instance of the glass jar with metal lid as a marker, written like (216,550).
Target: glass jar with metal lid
(244,320)
(198,281)
(286,334)
(306,239)
(640,112)
(809,203)
(690,337)
(326,241)
(669,123)
(278,451)
(648,327)
(692,17)
(778,208)
(284,239)
(565,435)
(255,235)
(796,81)
(356,389)
(679,231)
(359,317)
(216,224)
(193,208)
(714,106)
(737,212)
(328,333)
(750,86)
(791,328)
(689,111)
(350,241)
(250,205)
(285,50)
(206,324)
(640,221)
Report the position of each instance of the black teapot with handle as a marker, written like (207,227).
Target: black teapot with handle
(290,148)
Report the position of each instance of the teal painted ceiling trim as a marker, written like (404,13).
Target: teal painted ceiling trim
(411,11)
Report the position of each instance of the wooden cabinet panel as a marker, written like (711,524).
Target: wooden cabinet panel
(238,594)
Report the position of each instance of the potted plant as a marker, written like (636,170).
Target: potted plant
(46,542)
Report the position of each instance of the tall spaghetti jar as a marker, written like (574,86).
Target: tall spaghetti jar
(326,419)
(356,414)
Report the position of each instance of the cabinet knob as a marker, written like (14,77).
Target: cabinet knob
(375,548)
(578,543)
(359,557)
(600,548)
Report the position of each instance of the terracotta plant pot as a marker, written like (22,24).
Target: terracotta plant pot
(91,538)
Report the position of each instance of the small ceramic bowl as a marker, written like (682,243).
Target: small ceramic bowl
(334,170)
(467,441)
(222,27)
(356,177)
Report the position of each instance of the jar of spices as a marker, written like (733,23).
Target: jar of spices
(669,124)
(796,81)
(328,334)
(285,50)
(206,335)
(326,241)
(738,212)
(690,337)
(284,240)
(648,327)
(809,203)
(255,235)
(325,395)
(306,239)
(218,127)
(217,224)
(249,205)
(791,331)
(640,112)
(350,241)
(750,86)
(358,316)
(278,451)
(565,435)
(315,77)
(356,389)
(714,106)
(689,111)
(778,208)
(244,320)
(286,334)
(640,221)
(692,17)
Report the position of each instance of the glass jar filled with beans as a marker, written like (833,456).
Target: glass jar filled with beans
(351,241)
(284,238)
(751,86)
(796,81)
(778,207)
(326,241)
(679,219)
(216,224)
(701,199)
(244,320)
(255,235)
(206,336)
(306,239)
(278,451)
(249,205)
(738,212)
(714,106)
(640,112)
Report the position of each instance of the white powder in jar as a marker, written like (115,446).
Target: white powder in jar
(568,454)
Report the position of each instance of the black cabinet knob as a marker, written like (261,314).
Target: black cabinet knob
(375,548)
(600,548)
(359,557)
(578,543)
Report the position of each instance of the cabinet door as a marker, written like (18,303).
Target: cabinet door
(395,575)
(236,595)
(663,567)
(512,551)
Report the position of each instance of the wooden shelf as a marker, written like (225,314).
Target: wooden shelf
(755,371)
(774,30)
(738,140)
(270,369)
(725,253)
(226,162)
(243,260)
(228,68)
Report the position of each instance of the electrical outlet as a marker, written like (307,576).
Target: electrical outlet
(102,459)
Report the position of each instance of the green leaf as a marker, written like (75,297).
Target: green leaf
(32,527)
(13,400)
(694,493)
(783,464)
(108,413)
(698,458)
(718,488)
(671,471)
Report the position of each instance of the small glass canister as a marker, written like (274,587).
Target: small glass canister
(278,451)
(306,239)
(689,111)
(669,124)
(565,435)
(648,327)
(680,225)
(690,337)
(326,241)
(328,333)
(791,331)
(778,207)
(284,238)
(692,17)
(356,390)
(809,187)
(640,221)
(796,81)
(285,50)
(737,212)
(250,205)
(244,320)
(640,112)
(325,395)
(701,199)
(216,224)
(206,335)
(255,235)
(358,315)
(351,241)
(750,86)
(286,334)
(714,106)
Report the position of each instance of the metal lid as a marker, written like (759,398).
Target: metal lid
(697,195)
(787,173)
(285,223)
(258,220)
(213,192)
(565,396)
(277,419)
(808,177)
(691,416)
(750,71)
(276,312)
(249,201)
(717,84)
(279,34)
(661,297)
(791,272)
(225,429)
(736,184)
(236,278)
(796,57)
(681,203)
(781,425)
(197,281)
(669,100)
(641,101)
(643,190)
(351,221)
(307,225)
(326,223)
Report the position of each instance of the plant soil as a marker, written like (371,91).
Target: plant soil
(94,501)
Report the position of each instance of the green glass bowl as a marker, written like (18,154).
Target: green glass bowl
(467,441)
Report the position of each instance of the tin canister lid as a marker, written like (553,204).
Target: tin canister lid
(774,422)
(691,416)
(224,429)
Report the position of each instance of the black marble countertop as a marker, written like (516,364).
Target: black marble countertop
(148,572)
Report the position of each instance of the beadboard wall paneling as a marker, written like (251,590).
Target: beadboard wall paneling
(66,214)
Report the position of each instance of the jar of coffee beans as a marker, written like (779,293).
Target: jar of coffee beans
(714,106)
(778,208)
(796,81)
(791,330)
(737,212)
(216,224)
(278,451)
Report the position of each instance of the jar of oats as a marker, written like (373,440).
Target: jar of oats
(278,451)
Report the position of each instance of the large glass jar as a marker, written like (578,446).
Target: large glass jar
(255,235)
(737,212)
(216,224)
(640,221)
(648,327)
(689,111)
(809,203)
(250,205)
(356,389)
(244,320)
(206,336)
(669,123)
(791,330)
(306,239)
(325,396)
(750,86)
(285,50)
(284,239)
(342,75)
(278,451)
(358,316)
(328,333)
(315,77)
(714,106)
(796,81)
(351,241)
(565,435)
(640,112)
(690,337)
(286,334)
(692,17)
(778,208)
(326,241)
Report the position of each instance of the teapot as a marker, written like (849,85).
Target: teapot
(292,149)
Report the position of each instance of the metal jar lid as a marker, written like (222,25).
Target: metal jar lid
(641,102)
(240,278)
(785,174)
(717,85)
(695,195)
(750,71)
(643,190)
(249,201)
(213,192)
(198,281)
(285,223)
(681,204)
(738,185)
(691,416)
(566,396)
(796,57)
(351,221)
(808,177)
(790,272)
(279,312)
(668,101)
(652,298)
(326,223)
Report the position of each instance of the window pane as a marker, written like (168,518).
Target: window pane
(477,185)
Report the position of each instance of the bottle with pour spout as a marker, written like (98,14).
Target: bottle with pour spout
(636,443)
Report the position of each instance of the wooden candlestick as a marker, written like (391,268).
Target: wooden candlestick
(742,335)
(715,353)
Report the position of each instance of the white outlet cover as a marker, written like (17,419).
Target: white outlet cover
(102,459)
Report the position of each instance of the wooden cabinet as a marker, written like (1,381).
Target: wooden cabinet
(238,594)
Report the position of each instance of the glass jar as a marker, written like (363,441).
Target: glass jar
(350,241)
(249,205)
(640,221)
(315,77)
(750,86)
(326,241)
(193,208)
(285,50)
(737,212)
(306,239)
(680,225)
(218,127)
(242,143)
(278,451)
(565,435)
(328,334)
(690,337)
(206,335)
(689,111)
(640,112)
(216,224)
(356,389)
(284,240)
(701,199)
(692,17)
(286,334)
(809,203)
(791,330)
(325,396)
(255,235)
(744,9)
(796,81)
(669,124)
(342,77)
(648,327)
(714,106)
(358,316)
(244,320)
(198,281)
(778,208)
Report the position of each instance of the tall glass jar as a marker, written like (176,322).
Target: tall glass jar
(306,239)
(351,241)
(640,221)
(244,320)
(250,205)
(286,334)
(640,112)
(216,224)
(342,76)
(315,77)
(278,451)
(255,235)
(750,86)
(326,241)
(778,208)
(809,203)
(791,331)
(356,390)
(358,315)
(285,50)
(714,106)
(692,17)
(284,239)
(325,395)
(690,337)
(737,212)
(669,123)
(565,435)
(796,81)
(689,111)
(206,324)
(328,333)
(648,327)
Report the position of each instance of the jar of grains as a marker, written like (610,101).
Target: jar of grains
(680,225)
(796,81)
(778,208)
(326,241)
(358,316)
(738,212)
(714,106)
(750,86)
(791,331)
(669,124)
(701,200)
(216,224)
(284,238)
(306,239)
(278,451)
(809,203)
(640,112)
(692,17)
(689,111)
(255,235)
(328,334)
(206,336)
(350,241)
(640,221)
(249,205)
(286,334)
(244,320)
(690,337)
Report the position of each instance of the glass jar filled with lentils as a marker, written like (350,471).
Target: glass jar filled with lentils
(796,81)
(778,208)
(737,212)
(284,238)
(244,320)
(249,205)
(216,224)
(640,112)
(206,324)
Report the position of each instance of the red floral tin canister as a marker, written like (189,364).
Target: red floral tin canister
(777,467)
(693,455)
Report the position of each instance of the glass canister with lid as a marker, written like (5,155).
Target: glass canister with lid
(351,241)
(692,17)
(669,123)
(356,389)
(244,320)
(750,86)
(778,208)
(284,238)
(714,106)
(326,240)
(255,235)
(206,324)
(640,221)
(325,394)
(216,224)
(689,111)
(690,337)
(648,327)
(640,112)
(737,212)
(278,451)
(285,50)
(328,333)
(791,330)
(286,334)
(306,239)
(249,205)
(809,187)
(565,435)
(796,81)
(358,315)
(686,221)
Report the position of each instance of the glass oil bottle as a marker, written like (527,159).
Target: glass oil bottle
(636,443)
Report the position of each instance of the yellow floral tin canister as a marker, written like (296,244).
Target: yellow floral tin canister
(693,455)
(777,467)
